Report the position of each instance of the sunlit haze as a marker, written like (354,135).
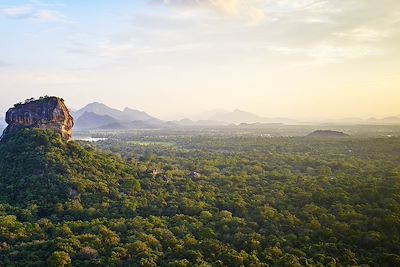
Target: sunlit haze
(305,59)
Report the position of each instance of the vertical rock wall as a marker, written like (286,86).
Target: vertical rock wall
(45,113)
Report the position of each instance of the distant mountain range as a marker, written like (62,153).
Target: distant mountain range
(393,120)
(91,120)
(387,120)
(239,116)
(126,115)
(189,122)
(99,116)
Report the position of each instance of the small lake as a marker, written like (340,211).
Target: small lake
(89,139)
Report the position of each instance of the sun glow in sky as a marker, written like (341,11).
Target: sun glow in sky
(293,58)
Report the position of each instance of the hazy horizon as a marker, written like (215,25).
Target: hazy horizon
(206,114)
(305,59)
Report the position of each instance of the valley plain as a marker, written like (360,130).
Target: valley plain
(227,196)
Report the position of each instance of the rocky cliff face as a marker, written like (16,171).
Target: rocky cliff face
(45,113)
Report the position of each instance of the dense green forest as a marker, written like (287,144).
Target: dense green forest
(199,200)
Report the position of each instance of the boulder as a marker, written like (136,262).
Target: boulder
(194,175)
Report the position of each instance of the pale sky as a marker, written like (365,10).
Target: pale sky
(289,58)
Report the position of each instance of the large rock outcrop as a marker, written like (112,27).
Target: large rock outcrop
(44,113)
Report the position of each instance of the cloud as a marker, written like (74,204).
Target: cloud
(295,33)
(324,53)
(227,7)
(363,34)
(256,15)
(45,4)
(129,48)
(29,12)
(250,10)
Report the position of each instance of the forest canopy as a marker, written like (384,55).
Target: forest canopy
(199,200)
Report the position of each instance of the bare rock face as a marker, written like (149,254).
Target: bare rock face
(45,113)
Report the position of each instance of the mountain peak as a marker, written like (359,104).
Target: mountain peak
(95,104)
(236,116)
(98,115)
(127,109)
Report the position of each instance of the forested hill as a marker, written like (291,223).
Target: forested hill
(253,202)
(39,169)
